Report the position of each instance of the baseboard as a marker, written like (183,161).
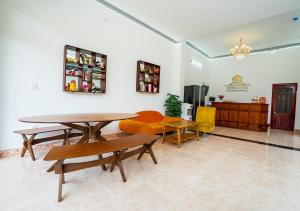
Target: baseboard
(297,131)
(45,146)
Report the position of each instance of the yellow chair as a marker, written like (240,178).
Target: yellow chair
(206,118)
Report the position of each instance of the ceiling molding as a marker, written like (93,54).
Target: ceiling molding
(134,19)
(191,45)
(188,43)
(276,47)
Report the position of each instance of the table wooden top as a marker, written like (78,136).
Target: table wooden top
(78,118)
(180,124)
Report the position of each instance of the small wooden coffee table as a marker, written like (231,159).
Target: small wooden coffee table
(180,127)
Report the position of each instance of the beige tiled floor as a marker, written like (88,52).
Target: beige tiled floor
(279,137)
(213,174)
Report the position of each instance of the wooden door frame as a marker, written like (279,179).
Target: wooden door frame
(293,104)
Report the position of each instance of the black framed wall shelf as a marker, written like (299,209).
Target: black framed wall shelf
(84,70)
(147,77)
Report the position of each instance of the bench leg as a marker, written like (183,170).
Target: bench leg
(103,166)
(31,151)
(120,165)
(143,152)
(118,161)
(27,145)
(61,179)
(60,187)
(113,164)
(148,149)
(24,149)
(152,154)
(51,168)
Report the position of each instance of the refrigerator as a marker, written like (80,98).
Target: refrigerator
(192,96)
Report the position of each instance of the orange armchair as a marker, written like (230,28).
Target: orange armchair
(147,122)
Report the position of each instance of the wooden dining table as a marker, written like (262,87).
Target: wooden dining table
(90,124)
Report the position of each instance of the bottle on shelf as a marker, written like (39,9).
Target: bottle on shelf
(142,86)
(149,87)
(142,67)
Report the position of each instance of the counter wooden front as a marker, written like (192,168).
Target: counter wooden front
(249,116)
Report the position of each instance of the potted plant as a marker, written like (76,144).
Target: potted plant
(173,105)
(221,97)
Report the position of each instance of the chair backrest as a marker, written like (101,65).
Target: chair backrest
(206,114)
(149,116)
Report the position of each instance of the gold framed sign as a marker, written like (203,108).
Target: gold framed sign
(237,84)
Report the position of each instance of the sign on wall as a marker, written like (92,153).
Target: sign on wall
(237,84)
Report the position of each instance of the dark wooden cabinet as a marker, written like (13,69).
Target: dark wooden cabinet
(250,116)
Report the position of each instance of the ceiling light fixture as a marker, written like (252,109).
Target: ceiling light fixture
(240,51)
(196,63)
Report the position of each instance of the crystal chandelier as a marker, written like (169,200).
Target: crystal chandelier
(240,51)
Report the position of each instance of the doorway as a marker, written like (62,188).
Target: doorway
(283,106)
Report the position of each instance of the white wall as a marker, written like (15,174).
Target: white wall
(32,36)
(193,74)
(34,32)
(260,70)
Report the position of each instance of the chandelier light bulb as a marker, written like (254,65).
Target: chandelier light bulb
(240,51)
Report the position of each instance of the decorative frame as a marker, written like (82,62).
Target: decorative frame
(84,71)
(147,77)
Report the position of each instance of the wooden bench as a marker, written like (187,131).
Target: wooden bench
(118,147)
(29,137)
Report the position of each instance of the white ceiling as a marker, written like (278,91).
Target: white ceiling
(191,18)
(270,32)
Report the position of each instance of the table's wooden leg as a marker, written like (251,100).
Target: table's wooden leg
(98,138)
(27,145)
(85,130)
(89,132)
(67,138)
(164,134)
(96,134)
(178,137)
(100,158)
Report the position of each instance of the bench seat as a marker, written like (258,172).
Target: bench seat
(118,147)
(29,137)
(42,130)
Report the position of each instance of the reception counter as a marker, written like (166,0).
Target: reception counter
(249,116)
